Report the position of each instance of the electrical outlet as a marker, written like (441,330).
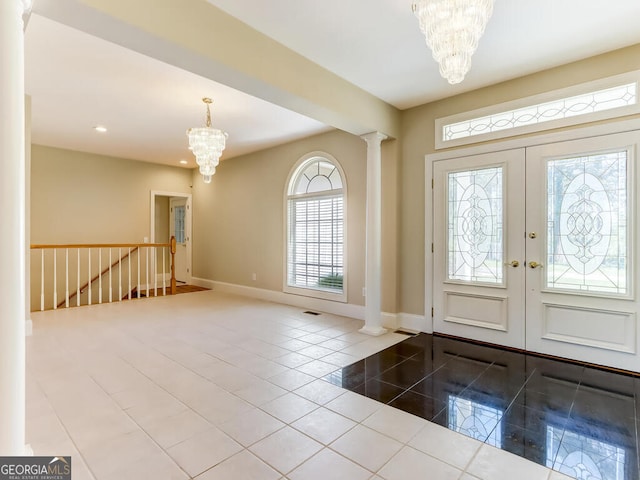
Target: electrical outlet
(254,276)
(364,291)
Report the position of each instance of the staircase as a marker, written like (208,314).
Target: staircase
(138,268)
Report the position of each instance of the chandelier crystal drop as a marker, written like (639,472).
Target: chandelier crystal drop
(207,145)
(452,29)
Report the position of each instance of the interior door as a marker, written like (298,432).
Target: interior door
(178,228)
(478,247)
(581,280)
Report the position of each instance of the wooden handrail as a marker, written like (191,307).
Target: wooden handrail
(103,272)
(100,245)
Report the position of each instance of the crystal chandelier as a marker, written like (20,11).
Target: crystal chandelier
(207,145)
(452,29)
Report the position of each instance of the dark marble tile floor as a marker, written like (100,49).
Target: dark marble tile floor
(579,420)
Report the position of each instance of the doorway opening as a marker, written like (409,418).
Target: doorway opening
(171,216)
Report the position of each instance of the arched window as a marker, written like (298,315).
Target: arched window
(316,228)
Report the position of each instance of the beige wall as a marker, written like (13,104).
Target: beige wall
(84,198)
(238,218)
(238,226)
(418,140)
(161,233)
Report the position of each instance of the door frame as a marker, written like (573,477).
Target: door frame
(579,132)
(188,223)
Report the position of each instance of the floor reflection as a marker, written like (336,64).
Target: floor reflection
(578,420)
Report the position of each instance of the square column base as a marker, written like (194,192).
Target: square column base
(373,331)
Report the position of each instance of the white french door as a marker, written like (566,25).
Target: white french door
(536,248)
(582,300)
(478,248)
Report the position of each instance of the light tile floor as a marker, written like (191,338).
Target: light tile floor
(213,386)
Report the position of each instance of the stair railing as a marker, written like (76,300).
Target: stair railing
(134,274)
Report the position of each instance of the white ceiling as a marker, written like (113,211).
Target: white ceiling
(78,81)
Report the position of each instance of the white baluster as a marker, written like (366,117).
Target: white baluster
(129,259)
(66,277)
(55,282)
(164,280)
(139,272)
(147,269)
(119,274)
(42,280)
(110,282)
(155,272)
(99,275)
(89,280)
(78,284)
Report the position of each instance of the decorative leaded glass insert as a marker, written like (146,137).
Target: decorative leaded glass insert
(587,231)
(596,101)
(584,457)
(179,216)
(475,420)
(475,226)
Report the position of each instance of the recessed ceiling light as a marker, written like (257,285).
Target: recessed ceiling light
(100,128)
(183,162)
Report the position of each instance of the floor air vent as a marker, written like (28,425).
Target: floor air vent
(404,332)
(309,312)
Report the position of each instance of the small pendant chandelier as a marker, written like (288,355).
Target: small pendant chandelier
(207,145)
(452,29)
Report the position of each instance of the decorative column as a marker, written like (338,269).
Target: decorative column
(372,310)
(12,219)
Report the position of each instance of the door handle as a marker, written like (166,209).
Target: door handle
(514,264)
(535,265)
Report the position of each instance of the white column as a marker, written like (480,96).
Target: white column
(12,219)
(372,310)
(27,215)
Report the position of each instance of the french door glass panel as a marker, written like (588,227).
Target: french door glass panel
(587,216)
(581,201)
(475,222)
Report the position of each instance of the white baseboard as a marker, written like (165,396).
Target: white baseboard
(392,321)
(203,282)
(336,308)
(414,323)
